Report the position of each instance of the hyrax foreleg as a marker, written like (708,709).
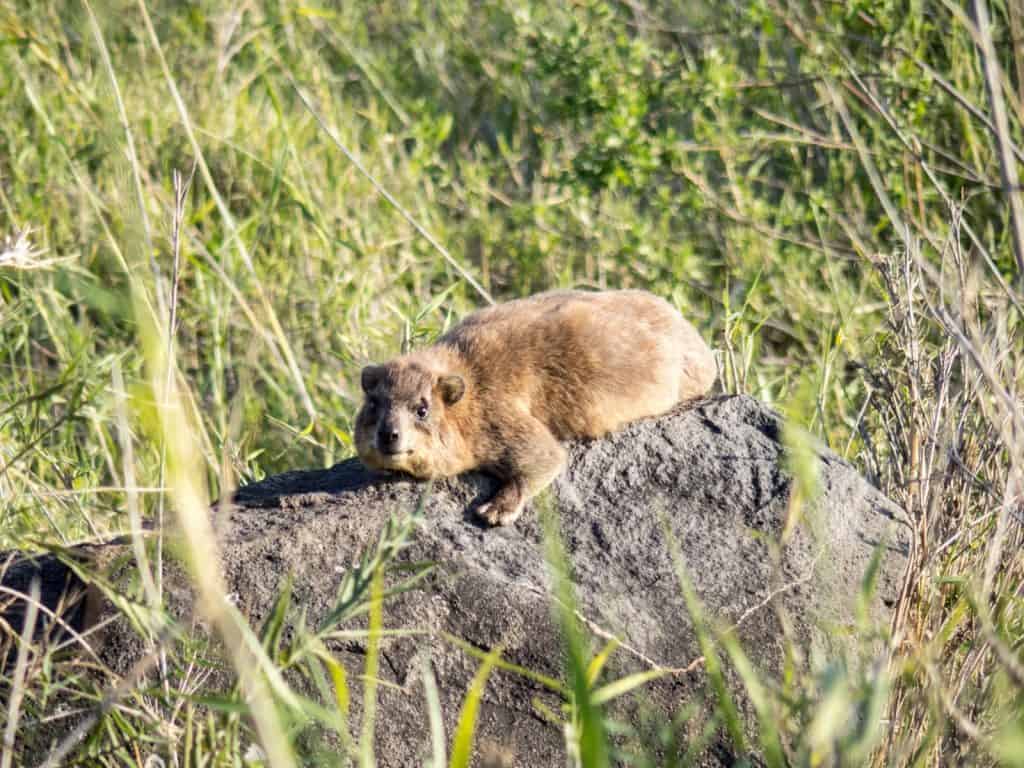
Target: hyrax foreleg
(532,458)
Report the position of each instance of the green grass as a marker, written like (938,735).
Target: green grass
(819,187)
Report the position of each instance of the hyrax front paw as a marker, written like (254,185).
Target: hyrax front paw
(504,509)
(496,514)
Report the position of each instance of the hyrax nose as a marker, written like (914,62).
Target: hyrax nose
(388,435)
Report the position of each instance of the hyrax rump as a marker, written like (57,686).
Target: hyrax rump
(502,389)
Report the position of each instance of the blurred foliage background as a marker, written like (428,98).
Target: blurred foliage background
(769,166)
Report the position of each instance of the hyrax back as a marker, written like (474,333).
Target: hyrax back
(504,387)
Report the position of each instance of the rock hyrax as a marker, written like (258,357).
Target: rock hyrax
(502,389)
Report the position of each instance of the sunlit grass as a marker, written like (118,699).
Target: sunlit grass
(821,191)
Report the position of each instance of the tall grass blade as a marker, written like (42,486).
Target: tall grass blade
(587,716)
(462,740)
(18,680)
(376,624)
(436,716)
(712,662)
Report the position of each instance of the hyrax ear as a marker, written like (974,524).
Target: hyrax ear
(452,388)
(371,376)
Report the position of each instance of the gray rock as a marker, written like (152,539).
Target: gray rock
(710,473)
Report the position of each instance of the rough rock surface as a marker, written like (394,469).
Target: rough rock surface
(712,473)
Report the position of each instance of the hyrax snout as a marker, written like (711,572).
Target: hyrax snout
(503,389)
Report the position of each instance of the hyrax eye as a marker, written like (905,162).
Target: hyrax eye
(372,405)
(422,410)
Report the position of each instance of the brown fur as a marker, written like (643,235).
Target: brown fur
(504,387)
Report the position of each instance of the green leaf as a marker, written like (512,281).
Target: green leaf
(626,684)
(597,663)
(339,678)
(435,715)
(537,677)
(462,743)
(270,634)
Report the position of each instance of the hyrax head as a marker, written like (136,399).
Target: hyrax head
(402,421)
